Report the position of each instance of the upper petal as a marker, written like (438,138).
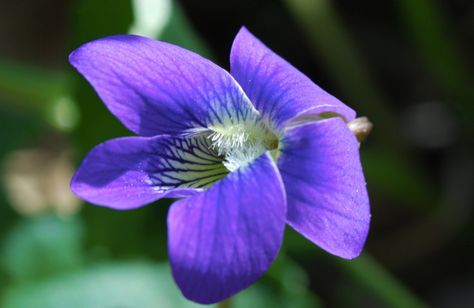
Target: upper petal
(276,88)
(129,172)
(224,239)
(158,88)
(327,196)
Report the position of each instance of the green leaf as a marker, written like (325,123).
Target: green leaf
(256,296)
(285,285)
(368,273)
(41,92)
(95,19)
(406,183)
(431,33)
(130,284)
(41,247)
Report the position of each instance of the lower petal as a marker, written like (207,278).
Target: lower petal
(224,239)
(327,196)
(130,172)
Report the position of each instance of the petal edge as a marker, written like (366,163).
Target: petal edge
(277,89)
(327,195)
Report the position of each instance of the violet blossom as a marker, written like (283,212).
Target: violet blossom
(246,152)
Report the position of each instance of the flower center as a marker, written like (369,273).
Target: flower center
(240,143)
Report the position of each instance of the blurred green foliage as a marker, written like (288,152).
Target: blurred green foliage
(104,258)
(42,246)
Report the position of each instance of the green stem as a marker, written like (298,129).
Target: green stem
(367,272)
(331,42)
(425,21)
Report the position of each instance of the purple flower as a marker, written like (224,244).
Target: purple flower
(247,152)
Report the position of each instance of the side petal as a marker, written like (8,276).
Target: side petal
(327,196)
(276,88)
(222,240)
(158,88)
(130,172)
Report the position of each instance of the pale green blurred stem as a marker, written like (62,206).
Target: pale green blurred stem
(330,41)
(367,272)
(423,18)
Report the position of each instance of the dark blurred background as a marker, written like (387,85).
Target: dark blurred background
(405,64)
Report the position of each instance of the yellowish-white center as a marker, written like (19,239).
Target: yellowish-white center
(240,143)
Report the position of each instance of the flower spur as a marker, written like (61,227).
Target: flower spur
(246,152)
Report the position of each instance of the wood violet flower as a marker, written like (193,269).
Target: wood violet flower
(246,152)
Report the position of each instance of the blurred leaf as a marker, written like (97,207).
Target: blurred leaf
(15,136)
(424,19)
(42,246)
(41,92)
(364,271)
(96,19)
(30,85)
(292,284)
(284,285)
(131,284)
(256,296)
(128,233)
(406,182)
(330,40)
(92,20)
(298,245)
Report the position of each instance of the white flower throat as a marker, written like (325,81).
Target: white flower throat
(241,142)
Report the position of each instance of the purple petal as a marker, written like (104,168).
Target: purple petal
(277,89)
(224,239)
(327,197)
(158,88)
(126,173)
